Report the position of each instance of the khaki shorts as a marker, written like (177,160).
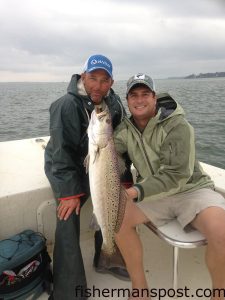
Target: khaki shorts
(184,206)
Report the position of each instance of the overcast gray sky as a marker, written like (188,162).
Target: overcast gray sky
(48,40)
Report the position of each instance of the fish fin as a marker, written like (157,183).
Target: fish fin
(96,153)
(94,223)
(86,162)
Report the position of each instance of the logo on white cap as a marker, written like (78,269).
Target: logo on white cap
(139,76)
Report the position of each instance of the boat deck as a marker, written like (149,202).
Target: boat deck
(158,260)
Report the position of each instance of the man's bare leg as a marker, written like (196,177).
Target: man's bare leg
(211,223)
(130,245)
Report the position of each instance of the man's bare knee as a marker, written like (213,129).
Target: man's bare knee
(210,221)
(133,216)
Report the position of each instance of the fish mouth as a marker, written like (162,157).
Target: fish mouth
(98,110)
(102,113)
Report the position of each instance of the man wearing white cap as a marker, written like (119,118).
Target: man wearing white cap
(170,183)
(64,157)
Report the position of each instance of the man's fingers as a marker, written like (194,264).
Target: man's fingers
(62,211)
(78,209)
(68,213)
(66,208)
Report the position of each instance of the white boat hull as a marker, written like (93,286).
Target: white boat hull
(27,201)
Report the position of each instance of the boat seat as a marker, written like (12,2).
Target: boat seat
(174,235)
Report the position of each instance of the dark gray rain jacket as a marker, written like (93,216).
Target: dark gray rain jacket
(68,144)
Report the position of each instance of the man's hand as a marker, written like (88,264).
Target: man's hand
(132,193)
(66,208)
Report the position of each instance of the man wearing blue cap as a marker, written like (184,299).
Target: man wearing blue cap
(64,157)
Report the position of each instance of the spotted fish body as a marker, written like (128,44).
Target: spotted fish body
(108,196)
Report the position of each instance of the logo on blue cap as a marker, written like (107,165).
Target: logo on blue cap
(98,61)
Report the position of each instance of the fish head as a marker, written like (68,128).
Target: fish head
(100,127)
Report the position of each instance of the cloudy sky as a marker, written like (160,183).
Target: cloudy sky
(48,40)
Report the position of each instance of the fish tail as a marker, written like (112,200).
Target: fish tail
(109,251)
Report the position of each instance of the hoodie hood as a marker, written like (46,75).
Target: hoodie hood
(76,86)
(167,107)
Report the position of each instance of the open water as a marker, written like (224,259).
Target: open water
(24,110)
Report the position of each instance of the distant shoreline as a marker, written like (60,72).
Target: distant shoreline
(201,75)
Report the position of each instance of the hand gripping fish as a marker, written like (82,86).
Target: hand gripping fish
(108,195)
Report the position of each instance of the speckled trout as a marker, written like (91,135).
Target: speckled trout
(108,195)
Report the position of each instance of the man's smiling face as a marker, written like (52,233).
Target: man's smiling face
(142,103)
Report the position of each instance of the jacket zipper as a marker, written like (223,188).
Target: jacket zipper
(146,156)
(170,148)
(142,143)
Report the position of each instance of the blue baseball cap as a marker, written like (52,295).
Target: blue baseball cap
(98,61)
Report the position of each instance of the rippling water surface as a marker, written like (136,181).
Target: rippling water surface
(24,110)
